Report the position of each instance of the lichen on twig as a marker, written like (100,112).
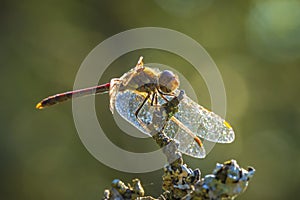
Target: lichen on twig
(227,181)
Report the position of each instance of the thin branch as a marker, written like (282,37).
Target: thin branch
(227,181)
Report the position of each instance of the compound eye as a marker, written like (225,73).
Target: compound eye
(168,81)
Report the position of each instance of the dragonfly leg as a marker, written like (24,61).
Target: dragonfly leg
(139,109)
(154,99)
(141,106)
(162,95)
(172,94)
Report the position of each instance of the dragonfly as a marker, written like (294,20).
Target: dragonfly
(150,99)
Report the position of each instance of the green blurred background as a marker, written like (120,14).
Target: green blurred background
(255,44)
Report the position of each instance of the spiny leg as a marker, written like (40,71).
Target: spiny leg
(162,96)
(140,107)
(154,97)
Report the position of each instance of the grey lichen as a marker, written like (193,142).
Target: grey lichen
(227,181)
(120,190)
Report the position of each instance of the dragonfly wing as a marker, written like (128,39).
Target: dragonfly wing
(198,120)
(187,143)
(204,123)
(126,104)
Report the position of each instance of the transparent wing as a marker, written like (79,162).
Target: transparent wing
(187,143)
(205,124)
(127,102)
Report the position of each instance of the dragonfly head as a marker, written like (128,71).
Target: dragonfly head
(168,81)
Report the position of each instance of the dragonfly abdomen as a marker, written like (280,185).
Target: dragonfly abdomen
(62,97)
(52,100)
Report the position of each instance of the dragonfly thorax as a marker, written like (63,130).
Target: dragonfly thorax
(168,82)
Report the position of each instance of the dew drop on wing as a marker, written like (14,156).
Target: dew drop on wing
(187,144)
(127,102)
(203,123)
